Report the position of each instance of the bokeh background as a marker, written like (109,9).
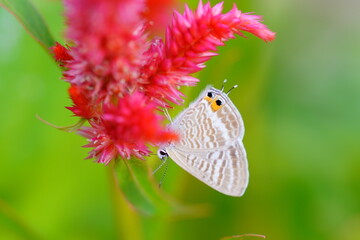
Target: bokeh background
(300,100)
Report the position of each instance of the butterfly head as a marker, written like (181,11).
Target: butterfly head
(215,99)
(162,154)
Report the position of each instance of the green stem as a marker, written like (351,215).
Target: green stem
(127,220)
(243,236)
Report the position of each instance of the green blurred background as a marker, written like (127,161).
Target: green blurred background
(300,100)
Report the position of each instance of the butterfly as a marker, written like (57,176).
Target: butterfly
(210,148)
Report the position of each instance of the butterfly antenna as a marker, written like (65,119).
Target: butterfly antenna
(223,85)
(160,166)
(166,113)
(231,89)
(164,173)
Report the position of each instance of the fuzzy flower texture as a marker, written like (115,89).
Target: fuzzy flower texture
(119,78)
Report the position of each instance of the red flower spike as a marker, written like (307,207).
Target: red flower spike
(109,43)
(251,24)
(124,129)
(191,41)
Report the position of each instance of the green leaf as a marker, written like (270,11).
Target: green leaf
(139,187)
(30,18)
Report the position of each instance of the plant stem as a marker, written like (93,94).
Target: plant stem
(127,220)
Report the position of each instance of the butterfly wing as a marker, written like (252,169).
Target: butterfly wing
(210,146)
(200,127)
(223,169)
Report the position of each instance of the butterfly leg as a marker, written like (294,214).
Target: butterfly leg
(164,162)
(164,173)
(160,166)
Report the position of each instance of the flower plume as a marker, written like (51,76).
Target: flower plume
(109,45)
(119,77)
(190,41)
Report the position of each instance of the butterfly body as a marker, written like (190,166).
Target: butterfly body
(210,147)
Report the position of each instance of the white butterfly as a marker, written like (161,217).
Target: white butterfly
(210,148)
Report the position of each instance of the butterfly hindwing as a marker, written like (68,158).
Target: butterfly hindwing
(224,169)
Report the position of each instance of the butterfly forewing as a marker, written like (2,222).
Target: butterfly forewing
(202,128)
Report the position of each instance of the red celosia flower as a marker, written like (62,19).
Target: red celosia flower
(109,43)
(124,129)
(191,41)
(119,77)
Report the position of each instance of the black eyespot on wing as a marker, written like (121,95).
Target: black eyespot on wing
(162,152)
(218,102)
(210,94)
